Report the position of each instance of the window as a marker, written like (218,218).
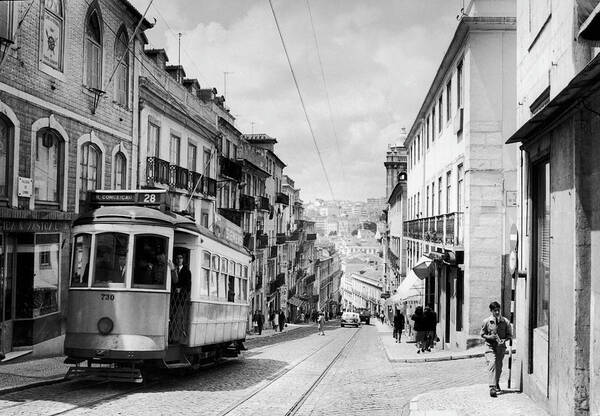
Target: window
(80,268)
(52,34)
(205,278)
(459,189)
(110,264)
(232,287)
(153,140)
(93,53)
(440,113)
(120,171)
(432,126)
(90,169)
(6,133)
(150,259)
(448,190)
(7,11)
(48,164)
(46,274)
(427,206)
(212,284)
(245,284)
(175,150)
(428,133)
(419,147)
(439,201)
(459,85)
(122,71)
(448,100)
(206,162)
(223,278)
(192,157)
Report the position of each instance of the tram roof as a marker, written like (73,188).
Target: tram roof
(136,215)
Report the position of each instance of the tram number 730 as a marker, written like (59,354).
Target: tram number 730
(107,296)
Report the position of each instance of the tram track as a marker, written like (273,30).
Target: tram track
(298,403)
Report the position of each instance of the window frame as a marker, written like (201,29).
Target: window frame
(97,44)
(120,160)
(85,169)
(47,15)
(122,71)
(60,146)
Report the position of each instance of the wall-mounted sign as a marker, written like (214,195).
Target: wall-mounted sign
(511,198)
(25,187)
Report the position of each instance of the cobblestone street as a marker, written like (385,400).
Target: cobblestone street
(272,377)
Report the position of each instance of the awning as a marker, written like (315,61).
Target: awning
(411,286)
(296,301)
(581,87)
(423,267)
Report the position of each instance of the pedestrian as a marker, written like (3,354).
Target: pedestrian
(281,320)
(321,323)
(302,317)
(419,327)
(272,319)
(495,330)
(430,321)
(275,320)
(381,316)
(259,319)
(398,325)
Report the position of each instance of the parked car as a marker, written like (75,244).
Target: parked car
(365,316)
(350,318)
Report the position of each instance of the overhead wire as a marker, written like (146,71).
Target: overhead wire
(337,144)
(312,133)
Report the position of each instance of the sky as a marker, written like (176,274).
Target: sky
(377,61)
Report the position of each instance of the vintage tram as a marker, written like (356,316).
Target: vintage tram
(126,313)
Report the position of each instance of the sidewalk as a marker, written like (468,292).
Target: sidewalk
(271,333)
(406,352)
(19,374)
(473,401)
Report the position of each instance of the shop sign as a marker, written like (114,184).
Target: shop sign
(32,226)
(25,187)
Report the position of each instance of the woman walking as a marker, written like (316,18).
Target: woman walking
(321,323)
(419,327)
(398,325)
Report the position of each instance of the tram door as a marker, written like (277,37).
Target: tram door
(180,301)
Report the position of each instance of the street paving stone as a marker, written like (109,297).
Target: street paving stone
(268,379)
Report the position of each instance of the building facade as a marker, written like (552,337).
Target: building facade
(461,175)
(557,279)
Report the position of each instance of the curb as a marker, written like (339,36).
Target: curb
(21,387)
(432,359)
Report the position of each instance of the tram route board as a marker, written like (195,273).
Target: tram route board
(142,197)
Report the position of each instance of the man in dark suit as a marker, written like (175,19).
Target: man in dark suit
(182,277)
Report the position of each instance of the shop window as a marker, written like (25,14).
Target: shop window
(48,165)
(6,132)
(150,260)
(110,264)
(52,37)
(81,260)
(122,70)
(120,171)
(93,50)
(90,175)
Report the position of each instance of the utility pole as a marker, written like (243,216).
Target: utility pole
(225,73)
(179,57)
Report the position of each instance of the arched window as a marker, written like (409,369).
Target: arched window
(5,139)
(53,34)
(90,169)
(93,53)
(120,171)
(48,165)
(122,72)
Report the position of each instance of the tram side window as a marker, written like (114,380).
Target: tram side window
(231,283)
(245,284)
(223,279)
(111,258)
(238,281)
(212,286)
(80,269)
(205,278)
(151,264)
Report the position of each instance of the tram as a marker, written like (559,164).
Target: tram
(129,310)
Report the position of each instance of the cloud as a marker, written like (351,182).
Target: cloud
(378,59)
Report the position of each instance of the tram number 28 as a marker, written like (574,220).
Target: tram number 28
(107,296)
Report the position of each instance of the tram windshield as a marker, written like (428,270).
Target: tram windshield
(111,258)
(80,269)
(150,259)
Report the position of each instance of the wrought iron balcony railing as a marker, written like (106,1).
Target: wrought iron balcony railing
(281,198)
(247,202)
(281,237)
(157,171)
(263,203)
(262,241)
(230,168)
(446,229)
(178,177)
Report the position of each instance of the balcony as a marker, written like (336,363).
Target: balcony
(209,186)
(232,215)
(280,238)
(277,283)
(311,237)
(249,241)
(247,203)
(446,230)
(295,236)
(178,177)
(157,171)
(282,198)
(263,203)
(230,169)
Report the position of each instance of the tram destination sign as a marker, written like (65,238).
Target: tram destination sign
(142,197)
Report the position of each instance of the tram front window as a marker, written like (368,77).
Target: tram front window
(80,268)
(150,259)
(111,258)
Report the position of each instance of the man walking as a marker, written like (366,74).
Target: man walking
(495,330)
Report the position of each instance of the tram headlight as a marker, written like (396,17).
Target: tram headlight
(105,325)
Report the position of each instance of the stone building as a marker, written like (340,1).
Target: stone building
(68,106)
(461,176)
(558,278)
